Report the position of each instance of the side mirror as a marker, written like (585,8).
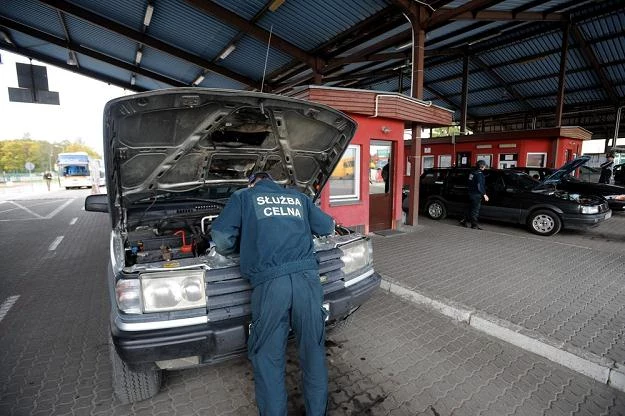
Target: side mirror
(97,203)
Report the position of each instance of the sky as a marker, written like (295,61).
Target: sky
(78,117)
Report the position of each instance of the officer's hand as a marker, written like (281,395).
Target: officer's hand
(485,197)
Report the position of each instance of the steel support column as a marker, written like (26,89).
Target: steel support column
(562,76)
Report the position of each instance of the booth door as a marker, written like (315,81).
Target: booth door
(381,173)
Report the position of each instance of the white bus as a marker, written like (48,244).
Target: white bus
(74,170)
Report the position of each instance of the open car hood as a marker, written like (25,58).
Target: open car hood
(182,139)
(566,169)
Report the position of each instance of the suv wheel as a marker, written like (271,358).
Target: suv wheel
(133,384)
(435,209)
(543,222)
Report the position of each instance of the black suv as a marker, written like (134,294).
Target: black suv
(512,198)
(173,158)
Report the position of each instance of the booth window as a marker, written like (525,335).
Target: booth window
(536,160)
(345,179)
(444,161)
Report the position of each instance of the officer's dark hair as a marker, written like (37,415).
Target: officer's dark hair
(609,154)
(255,177)
(481,163)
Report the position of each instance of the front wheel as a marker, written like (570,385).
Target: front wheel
(544,222)
(435,209)
(133,384)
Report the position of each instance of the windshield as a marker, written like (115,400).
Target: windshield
(75,170)
(519,180)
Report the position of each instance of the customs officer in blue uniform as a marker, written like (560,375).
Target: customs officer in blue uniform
(272,227)
(477,191)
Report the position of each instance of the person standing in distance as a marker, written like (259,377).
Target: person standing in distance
(477,191)
(607,168)
(272,228)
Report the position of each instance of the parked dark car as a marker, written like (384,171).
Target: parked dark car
(513,198)
(619,174)
(173,159)
(563,179)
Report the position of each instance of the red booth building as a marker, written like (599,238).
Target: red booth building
(551,147)
(361,194)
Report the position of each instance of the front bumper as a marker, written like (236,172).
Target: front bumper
(585,220)
(213,342)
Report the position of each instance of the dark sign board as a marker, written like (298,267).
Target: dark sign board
(33,86)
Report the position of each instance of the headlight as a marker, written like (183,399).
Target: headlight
(357,255)
(168,291)
(616,197)
(594,209)
(161,291)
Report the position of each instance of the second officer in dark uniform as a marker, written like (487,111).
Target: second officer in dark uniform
(477,191)
(272,227)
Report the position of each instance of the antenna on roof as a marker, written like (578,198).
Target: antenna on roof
(262,84)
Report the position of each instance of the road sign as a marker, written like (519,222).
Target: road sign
(29,166)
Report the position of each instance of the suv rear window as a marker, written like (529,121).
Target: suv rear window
(432,176)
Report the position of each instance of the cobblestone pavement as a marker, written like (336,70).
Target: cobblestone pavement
(396,358)
(573,294)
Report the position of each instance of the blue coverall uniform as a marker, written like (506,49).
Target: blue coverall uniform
(477,189)
(272,229)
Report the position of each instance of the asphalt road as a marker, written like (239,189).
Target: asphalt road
(394,359)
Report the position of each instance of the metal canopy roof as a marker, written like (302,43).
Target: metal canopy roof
(514,49)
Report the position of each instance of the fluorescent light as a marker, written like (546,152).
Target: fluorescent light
(71,59)
(275,4)
(228,51)
(138,56)
(494,35)
(405,45)
(148,15)
(133,79)
(199,79)
(6,37)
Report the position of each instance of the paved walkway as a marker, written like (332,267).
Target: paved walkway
(561,301)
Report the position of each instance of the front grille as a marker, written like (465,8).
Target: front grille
(228,293)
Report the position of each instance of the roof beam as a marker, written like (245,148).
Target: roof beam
(442,16)
(593,61)
(140,37)
(496,15)
(237,21)
(84,51)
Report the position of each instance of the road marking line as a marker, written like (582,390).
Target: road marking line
(6,305)
(55,243)
(26,209)
(73,221)
(56,211)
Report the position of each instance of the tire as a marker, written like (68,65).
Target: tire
(544,222)
(435,209)
(136,384)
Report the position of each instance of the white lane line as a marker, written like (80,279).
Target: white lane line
(73,221)
(26,209)
(55,243)
(56,211)
(6,305)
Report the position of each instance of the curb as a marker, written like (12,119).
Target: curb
(598,368)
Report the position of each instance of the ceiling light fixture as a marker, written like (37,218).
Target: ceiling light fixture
(148,15)
(494,35)
(133,79)
(199,79)
(275,4)
(138,56)
(404,46)
(71,59)
(6,37)
(227,51)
